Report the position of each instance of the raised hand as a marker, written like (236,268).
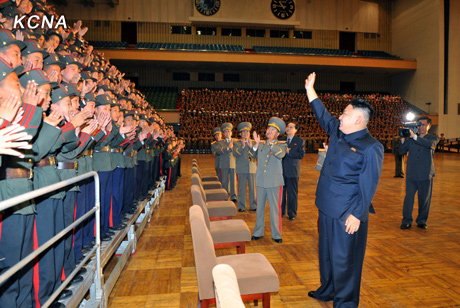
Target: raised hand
(249,142)
(54,118)
(9,108)
(126,129)
(11,138)
(230,145)
(79,119)
(90,127)
(28,65)
(82,32)
(19,36)
(30,95)
(53,76)
(310,81)
(256,138)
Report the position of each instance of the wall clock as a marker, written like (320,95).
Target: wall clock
(207,7)
(283,9)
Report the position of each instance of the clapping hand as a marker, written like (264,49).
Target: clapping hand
(11,138)
(9,108)
(256,139)
(54,118)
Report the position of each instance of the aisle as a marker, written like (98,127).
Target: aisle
(410,268)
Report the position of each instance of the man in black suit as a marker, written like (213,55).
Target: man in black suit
(346,187)
(419,173)
(291,170)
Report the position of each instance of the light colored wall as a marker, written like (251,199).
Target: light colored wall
(417,32)
(450,123)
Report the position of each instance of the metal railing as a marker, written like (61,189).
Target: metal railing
(97,248)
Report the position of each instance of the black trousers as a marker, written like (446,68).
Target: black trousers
(425,189)
(290,196)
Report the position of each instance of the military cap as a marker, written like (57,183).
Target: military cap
(105,88)
(129,114)
(216,130)
(7,38)
(59,93)
(6,69)
(225,126)
(11,11)
(87,75)
(91,69)
(54,32)
(114,103)
(4,4)
(38,76)
(90,97)
(68,59)
(244,126)
(74,48)
(33,47)
(72,88)
(53,59)
(278,124)
(103,99)
(143,117)
(61,47)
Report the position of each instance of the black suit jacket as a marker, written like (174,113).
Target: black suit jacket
(291,162)
(420,165)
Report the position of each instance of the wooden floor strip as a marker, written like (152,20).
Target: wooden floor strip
(402,268)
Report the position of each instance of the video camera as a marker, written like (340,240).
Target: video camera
(412,125)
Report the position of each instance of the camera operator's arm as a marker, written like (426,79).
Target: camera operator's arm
(404,146)
(428,141)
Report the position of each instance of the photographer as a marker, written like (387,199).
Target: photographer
(419,173)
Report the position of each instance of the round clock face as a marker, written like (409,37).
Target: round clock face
(283,9)
(207,7)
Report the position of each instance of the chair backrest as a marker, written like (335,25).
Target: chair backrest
(197,181)
(226,287)
(203,249)
(197,199)
(194,160)
(195,170)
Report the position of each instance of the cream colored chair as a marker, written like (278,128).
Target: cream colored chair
(256,277)
(225,233)
(209,178)
(218,210)
(226,287)
(216,194)
(207,184)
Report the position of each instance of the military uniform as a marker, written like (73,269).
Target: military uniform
(214,146)
(245,169)
(227,164)
(269,181)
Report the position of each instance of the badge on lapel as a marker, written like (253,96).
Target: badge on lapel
(353,149)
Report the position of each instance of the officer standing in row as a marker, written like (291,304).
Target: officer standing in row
(227,161)
(269,177)
(216,132)
(246,167)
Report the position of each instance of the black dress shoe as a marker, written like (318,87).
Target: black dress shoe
(119,227)
(278,240)
(57,305)
(65,294)
(241,210)
(311,294)
(253,210)
(82,271)
(255,238)
(106,238)
(234,200)
(77,279)
(110,233)
(422,226)
(291,218)
(126,219)
(405,226)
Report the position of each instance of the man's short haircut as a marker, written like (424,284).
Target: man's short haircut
(364,106)
(296,125)
(428,120)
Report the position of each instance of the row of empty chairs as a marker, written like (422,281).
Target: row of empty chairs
(227,280)
(304,51)
(190,47)
(161,97)
(109,44)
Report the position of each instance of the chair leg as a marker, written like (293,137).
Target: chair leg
(266,300)
(205,303)
(256,303)
(241,249)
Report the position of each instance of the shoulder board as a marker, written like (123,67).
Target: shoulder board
(280,142)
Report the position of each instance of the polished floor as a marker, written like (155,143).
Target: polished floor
(402,268)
